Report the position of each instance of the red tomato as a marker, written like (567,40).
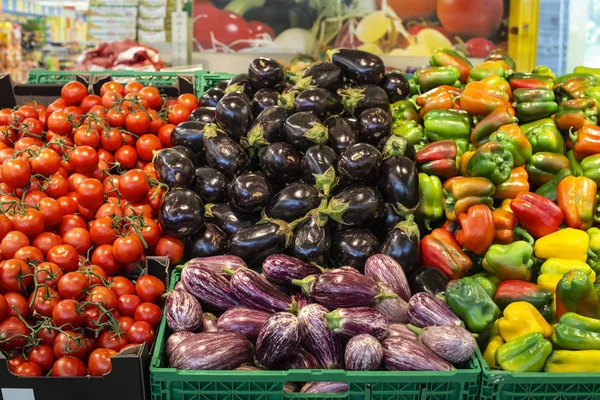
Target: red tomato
(5,225)
(48,273)
(68,312)
(156,122)
(51,211)
(111,340)
(148,312)
(69,366)
(110,98)
(83,159)
(149,288)
(59,123)
(111,86)
(138,122)
(70,221)
(128,249)
(178,114)
(116,118)
(111,140)
(99,362)
(47,336)
(126,156)
(14,334)
(31,222)
(127,305)
(466,18)
(124,323)
(73,286)
(102,231)
(3,308)
(146,145)
(15,173)
(32,127)
(188,100)
(86,137)
(73,93)
(141,332)
(121,285)
(65,256)
(259,30)
(133,185)
(170,246)
(44,300)
(43,356)
(133,87)
(90,101)
(79,238)
(90,193)
(103,256)
(109,210)
(70,343)
(28,254)
(103,295)
(28,369)
(152,95)
(67,205)
(46,163)
(155,197)
(164,134)
(96,275)
(15,275)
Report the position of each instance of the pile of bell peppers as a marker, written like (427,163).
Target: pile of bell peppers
(509,207)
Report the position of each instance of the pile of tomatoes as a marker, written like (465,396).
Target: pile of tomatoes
(79,198)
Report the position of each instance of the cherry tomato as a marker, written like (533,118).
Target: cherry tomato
(133,87)
(99,362)
(124,322)
(67,205)
(116,117)
(103,295)
(149,288)
(178,114)
(44,300)
(47,336)
(90,101)
(28,369)
(70,221)
(133,185)
(103,256)
(128,249)
(32,127)
(48,273)
(14,334)
(111,86)
(16,173)
(121,286)
(102,231)
(126,156)
(5,116)
(138,122)
(3,308)
(86,137)
(155,198)
(73,93)
(128,139)
(114,341)
(109,210)
(170,246)
(70,343)
(12,242)
(141,332)
(83,159)
(90,193)
(152,95)
(43,356)
(127,304)
(111,140)
(28,254)
(46,163)
(189,101)
(5,225)
(69,313)
(73,286)
(69,366)
(148,312)
(34,196)
(79,238)
(150,231)
(15,275)
(164,134)
(156,122)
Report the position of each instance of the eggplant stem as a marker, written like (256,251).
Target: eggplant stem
(414,329)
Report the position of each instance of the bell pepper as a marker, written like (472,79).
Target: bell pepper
(430,198)
(576,293)
(481,98)
(548,189)
(430,77)
(501,55)
(467,299)
(491,161)
(576,197)
(490,350)
(532,104)
(513,291)
(594,235)
(528,353)
(545,71)
(586,141)
(447,124)
(411,130)
(545,138)
(542,166)
(573,361)
(566,77)
(403,110)
(553,270)
(574,114)
(536,213)
(511,137)
(505,224)
(509,261)
(488,282)
(517,183)
(487,68)
(573,86)
(505,205)
(521,318)
(587,70)
(568,243)
(491,123)
(440,250)
(438,158)
(498,82)
(535,124)
(463,161)
(593,92)
(437,98)
(452,58)
(460,193)
(577,332)
(590,167)
(521,80)
(476,229)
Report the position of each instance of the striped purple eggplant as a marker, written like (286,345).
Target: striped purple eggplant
(301,300)
(326,346)
(174,340)
(209,323)
(246,321)
(427,310)
(255,291)
(247,368)
(363,353)
(452,343)
(383,268)
(208,286)
(324,387)
(281,269)
(350,322)
(183,312)
(343,288)
(179,286)
(395,309)
(290,387)
(212,351)
(402,331)
(277,340)
(400,354)
(300,359)
(217,263)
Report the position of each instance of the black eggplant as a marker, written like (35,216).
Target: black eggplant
(359,163)
(303,130)
(356,206)
(249,192)
(223,84)
(189,154)
(429,280)
(358,98)
(316,161)
(229,220)
(240,84)
(399,182)
(204,115)
(264,99)
(403,244)
(342,134)
(373,125)
(211,97)
(281,163)
(268,126)
(358,66)
(396,86)
(389,221)
(255,243)
(325,75)
(211,185)
(353,247)
(312,240)
(319,101)
(293,202)
(396,146)
(223,153)
(174,169)
(181,213)
(210,241)
(234,116)
(265,73)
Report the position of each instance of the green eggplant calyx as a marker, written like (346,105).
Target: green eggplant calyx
(334,320)
(284,229)
(229,271)
(208,210)
(326,181)
(256,136)
(294,307)
(305,284)
(318,133)
(236,87)
(395,146)
(304,83)
(287,99)
(404,211)
(409,227)
(414,329)
(351,97)
(210,131)
(336,209)
(384,294)
(331,53)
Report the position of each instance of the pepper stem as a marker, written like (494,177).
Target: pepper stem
(523,234)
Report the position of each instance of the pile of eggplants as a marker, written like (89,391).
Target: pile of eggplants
(296,315)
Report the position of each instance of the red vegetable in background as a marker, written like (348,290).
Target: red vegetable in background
(471,18)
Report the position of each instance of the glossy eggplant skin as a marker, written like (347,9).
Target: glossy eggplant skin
(319,101)
(240,82)
(256,292)
(359,66)
(359,98)
(396,86)
(211,97)
(281,269)
(255,243)
(210,185)
(277,340)
(242,320)
(383,268)
(364,206)
(268,125)
(223,84)
(399,181)
(293,202)
(353,247)
(300,359)
(312,241)
(389,221)
(229,220)
(360,163)
(210,241)
(265,73)
(234,115)
(189,134)
(298,126)
(249,192)
(317,160)
(341,134)
(181,213)
(363,353)
(403,246)
(204,115)
(264,99)
(325,345)
(225,155)
(325,75)
(429,280)
(373,125)
(174,168)
(281,163)
(190,154)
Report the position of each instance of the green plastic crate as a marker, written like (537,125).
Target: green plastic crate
(172,384)
(501,385)
(210,80)
(43,77)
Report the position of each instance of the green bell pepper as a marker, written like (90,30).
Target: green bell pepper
(577,332)
(487,68)
(593,93)
(471,303)
(528,353)
(539,95)
(512,139)
(534,104)
(535,124)
(491,161)
(542,166)
(544,70)
(431,77)
(575,292)
(430,198)
(447,124)
(410,130)
(545,138)
(590,167)
(574,164)
(403,110)
(488,282)
(548,189)
(510,261)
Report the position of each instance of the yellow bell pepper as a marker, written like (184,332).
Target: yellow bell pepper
(521,318)
(489,355)
(568,243)
(573,361)
(553,269)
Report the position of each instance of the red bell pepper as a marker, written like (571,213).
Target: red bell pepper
(576,197)
(440,250)
(477,229)
(539,215)
(438,158)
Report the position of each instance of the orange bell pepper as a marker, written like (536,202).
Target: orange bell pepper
(517,183)
(460,193)
(506,229)
(464,160)
(476,229)
(586,141)
(434,99)
(481,98)
(576,197)
(499,82)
